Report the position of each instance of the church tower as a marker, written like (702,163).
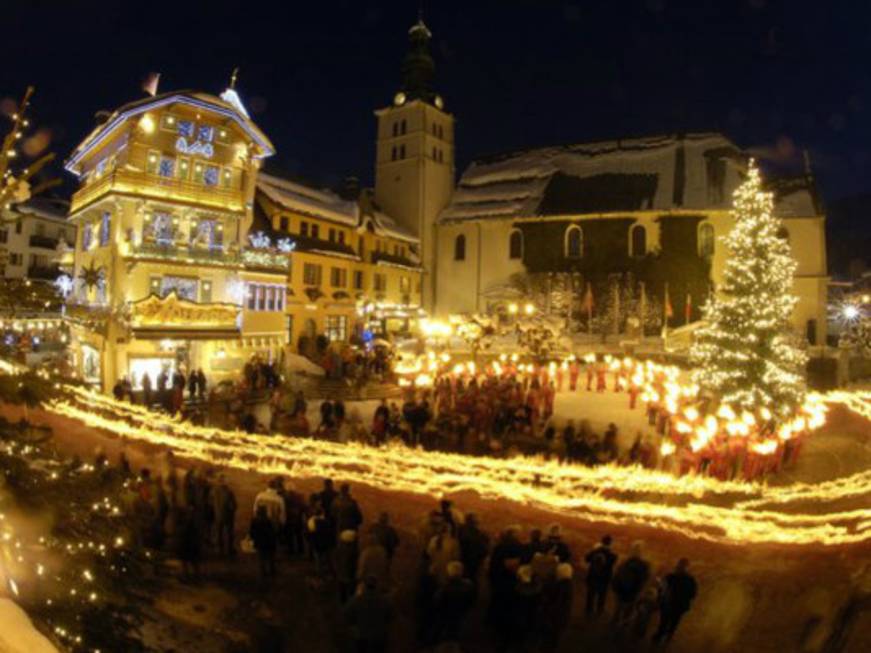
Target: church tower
(414,154)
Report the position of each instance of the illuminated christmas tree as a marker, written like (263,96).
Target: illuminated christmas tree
(745,355)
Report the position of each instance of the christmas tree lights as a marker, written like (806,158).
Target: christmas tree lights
(744,354)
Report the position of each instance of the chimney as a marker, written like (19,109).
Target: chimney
(350,188)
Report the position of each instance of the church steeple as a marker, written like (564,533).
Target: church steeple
(418,67)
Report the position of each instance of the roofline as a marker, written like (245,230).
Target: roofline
(508,154)
(102,131)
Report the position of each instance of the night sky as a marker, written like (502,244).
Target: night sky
(776,76)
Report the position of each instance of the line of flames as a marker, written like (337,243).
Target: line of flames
(693,506)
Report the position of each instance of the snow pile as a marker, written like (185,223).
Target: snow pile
(301,365)
(17,632)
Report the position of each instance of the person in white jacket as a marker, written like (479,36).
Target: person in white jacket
(274,504)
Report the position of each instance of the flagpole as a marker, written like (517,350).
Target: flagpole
(665,317)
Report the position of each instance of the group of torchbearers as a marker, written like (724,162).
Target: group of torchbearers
(506,396)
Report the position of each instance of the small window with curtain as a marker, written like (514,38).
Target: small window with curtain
(706,240)
(574,244)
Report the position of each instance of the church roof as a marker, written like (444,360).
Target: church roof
(694,171)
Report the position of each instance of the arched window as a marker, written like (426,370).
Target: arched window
(706,240)
(574,242)
(396,129)
(638,241)
(402,151)
(402,127)
(460,248)
(515,244)
(393,154)
(783,233)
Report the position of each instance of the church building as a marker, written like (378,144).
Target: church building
(651,209)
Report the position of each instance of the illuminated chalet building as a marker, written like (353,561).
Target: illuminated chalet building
(187,255)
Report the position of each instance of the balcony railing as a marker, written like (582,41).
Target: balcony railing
(140,183)
(45,242)
(257,258)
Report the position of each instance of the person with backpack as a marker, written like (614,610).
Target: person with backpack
(680,588)
(629,579)
(600,569)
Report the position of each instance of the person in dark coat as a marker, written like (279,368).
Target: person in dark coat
(146,389)
(679,591)
(629,579)
(193,384)
(326,497)
(189,542)
(262,533)
(294,524)
(322,539)
(474,547)
(600,569)
(554,544)
(327,414)
(386,535)
(369,614)
(224,502)
(526,609)
(502,572)
(556,608)
(452,603)
(346,511)
(201,383)
(533,546)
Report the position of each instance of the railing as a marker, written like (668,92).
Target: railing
(46,242)
(130,181)
(181,251)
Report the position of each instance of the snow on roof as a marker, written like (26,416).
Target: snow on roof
(795,197)
(310,201)
(194,98)
(389,227)
(694,171)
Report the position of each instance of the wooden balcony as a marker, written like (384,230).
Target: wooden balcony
(166,188)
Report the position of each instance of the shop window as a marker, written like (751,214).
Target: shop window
(336,328)
(183,287)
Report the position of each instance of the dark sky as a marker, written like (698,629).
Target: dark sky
(781,76)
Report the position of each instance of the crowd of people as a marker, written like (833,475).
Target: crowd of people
(524,583)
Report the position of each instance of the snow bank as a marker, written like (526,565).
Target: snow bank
(302,365)
(17,632)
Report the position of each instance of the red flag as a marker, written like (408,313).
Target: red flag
(588,299)
(149,84)
(688,308)
(669,311)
